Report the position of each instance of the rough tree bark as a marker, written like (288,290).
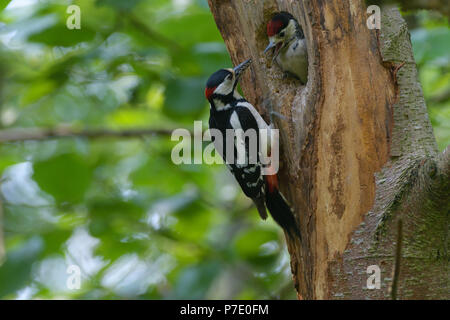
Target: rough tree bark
(357,149)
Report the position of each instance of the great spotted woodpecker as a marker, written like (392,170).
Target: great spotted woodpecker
(229,110)
(286,35)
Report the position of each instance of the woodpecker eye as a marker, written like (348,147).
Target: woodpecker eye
(282,34)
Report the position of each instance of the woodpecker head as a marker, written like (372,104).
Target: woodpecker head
(281,29)
(222,84)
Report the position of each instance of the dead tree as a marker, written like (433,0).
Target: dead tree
(357,149)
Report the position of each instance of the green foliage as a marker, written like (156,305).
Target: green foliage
(66,177)
(61,36)
(432,53)
(249,245)
(182,89)
(15,272)
(137,225)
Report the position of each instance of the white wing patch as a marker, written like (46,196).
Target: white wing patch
(262,125)
(234,120)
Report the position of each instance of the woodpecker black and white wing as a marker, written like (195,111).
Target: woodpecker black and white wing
(263,129)
(243,138)
(244,142)
(249,174)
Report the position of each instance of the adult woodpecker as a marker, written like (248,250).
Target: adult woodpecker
(229,110)
(286,36)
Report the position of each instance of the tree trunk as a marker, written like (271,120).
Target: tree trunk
(357,149)
(2,244)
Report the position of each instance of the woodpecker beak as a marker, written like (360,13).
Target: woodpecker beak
(240,68)
(270,46)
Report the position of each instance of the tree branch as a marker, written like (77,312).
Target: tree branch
(24,134)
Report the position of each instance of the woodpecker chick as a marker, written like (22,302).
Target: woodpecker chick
(286,36)
(229,110)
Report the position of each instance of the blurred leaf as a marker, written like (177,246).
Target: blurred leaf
(119,4)
(112,215)
(15,272)
(24,220)
(184,97)
(432,45)
(175,27)
(60,35)
(55,241)
(196,215)
(66,177)
(38,90)
(249,244)
(194,281)
(4,4)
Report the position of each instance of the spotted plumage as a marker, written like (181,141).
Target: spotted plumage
(229,110)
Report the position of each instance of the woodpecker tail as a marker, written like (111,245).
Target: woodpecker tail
(259,203)
(278,207)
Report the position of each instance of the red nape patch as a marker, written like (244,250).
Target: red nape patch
(273,27)
(209,92)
